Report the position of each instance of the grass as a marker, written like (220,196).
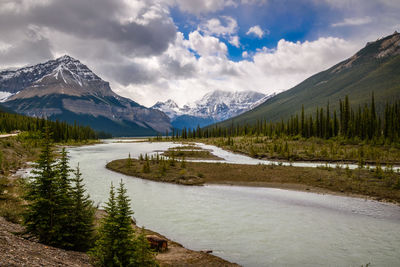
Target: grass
(11,205)
(379,184)
(186,147)
(15,153)
(189,152)
(170,171)
(313,149)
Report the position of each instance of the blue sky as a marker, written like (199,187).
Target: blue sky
(290,20)
(154,50)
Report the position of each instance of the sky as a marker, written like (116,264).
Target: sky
(154,50)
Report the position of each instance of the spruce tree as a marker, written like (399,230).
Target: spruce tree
(64,200)
(42,192)
(115,245)
(82,215)
(104,252)
(124,235)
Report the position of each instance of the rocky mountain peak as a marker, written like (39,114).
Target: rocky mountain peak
(13,81)
(169,107)
(66,89)
(67,59)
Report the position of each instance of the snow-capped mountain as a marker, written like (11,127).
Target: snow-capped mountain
(169,107)
(66,89)
(213,107)
(262,100)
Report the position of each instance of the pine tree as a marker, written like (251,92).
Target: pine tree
(82,221)
(124,235)
(42,208)
(115,245)
(129,162)
(104,252)
(64,200)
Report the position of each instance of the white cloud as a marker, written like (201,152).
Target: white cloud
(353,22)
(135,46)
(203,6)
(214,26)
(256,30)
(252,2)
(267,71)
(234,40)
(206,45)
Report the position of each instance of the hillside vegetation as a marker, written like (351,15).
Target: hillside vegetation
(375,68)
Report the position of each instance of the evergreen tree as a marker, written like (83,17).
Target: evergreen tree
(42,192)
(104,252)
(64,200)
(129,161)
(116,245)
(124,235)
(82,221)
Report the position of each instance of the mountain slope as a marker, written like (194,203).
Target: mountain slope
(212,107)
(375,68)
(65,89)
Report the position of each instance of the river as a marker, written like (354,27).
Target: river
(250,226)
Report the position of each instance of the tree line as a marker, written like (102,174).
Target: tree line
(363,123)
(60,213)
(61,131)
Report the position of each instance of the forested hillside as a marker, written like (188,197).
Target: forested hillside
(61,131)
(375,68)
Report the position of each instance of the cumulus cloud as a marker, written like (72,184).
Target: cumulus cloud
(203,6)
(206,45)
(353,22)
(30,46)
(137,28)
(268,70)
(136,46)
(234,40)
(256,30)
(214,26)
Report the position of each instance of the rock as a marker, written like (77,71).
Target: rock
(157,243)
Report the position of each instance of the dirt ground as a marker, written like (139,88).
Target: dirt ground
(18,251)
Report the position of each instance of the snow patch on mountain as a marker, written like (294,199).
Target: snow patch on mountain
(217,105)
(16,80)
(4,96)
(262,100)
(169,107)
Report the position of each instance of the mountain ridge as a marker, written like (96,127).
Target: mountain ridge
(66,89)
(214,106)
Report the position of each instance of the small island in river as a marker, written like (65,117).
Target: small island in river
(376,183)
